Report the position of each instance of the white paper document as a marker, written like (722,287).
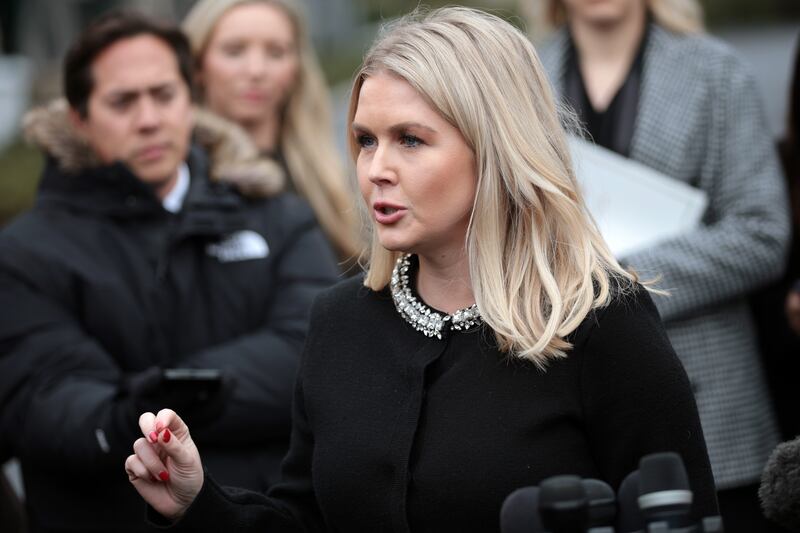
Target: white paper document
(634,206)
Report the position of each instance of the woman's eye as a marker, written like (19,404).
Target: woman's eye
(275,52)
(365,141)
(410,141)
(232,50)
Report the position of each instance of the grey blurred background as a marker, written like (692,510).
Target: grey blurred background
(34,35)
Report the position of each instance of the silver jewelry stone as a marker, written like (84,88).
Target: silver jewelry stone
(420,316)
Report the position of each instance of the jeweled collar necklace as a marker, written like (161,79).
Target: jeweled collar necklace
(421,317)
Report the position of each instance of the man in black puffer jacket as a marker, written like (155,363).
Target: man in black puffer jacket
(144,253)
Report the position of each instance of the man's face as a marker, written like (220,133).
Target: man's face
(139,111)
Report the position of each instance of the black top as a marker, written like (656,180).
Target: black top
(100,286)
(611,128)
(397,432)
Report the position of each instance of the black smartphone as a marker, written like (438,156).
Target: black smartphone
(199,383)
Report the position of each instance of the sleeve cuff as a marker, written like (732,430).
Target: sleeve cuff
(194,519)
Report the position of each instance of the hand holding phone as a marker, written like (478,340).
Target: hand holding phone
(198,384)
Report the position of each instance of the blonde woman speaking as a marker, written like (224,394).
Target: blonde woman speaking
(494,340)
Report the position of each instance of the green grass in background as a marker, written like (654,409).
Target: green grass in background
(20,166)
(748,12)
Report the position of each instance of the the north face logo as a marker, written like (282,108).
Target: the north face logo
(239,246)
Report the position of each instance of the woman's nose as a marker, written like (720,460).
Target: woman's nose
(255,63)
(382,170)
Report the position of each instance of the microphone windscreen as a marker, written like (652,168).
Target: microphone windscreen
(664,492)
(629,516)
(662,472)
(520,512)
(563,504)
(780,485)
(562,489)
(602,502)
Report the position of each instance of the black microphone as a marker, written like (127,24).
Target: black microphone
(630,517)
(522,509)
(602,502)
(664,493)
(780,485)
(563,504)
(520,512)
(657,497)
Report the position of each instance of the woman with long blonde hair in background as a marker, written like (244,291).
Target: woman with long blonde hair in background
(648,84)
(494,341)
(256,67)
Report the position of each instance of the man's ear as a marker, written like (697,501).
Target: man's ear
(77,122)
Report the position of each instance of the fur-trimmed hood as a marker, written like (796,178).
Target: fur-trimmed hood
(233,157)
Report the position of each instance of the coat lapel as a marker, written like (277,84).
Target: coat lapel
(553,54)
(667,134)
(670,102)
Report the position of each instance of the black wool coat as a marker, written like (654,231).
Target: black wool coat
(397,432)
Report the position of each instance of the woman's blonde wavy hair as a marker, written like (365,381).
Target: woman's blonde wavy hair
(679,16)
(537,262)
(306,135)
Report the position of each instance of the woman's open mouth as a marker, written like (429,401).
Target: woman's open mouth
(386,213)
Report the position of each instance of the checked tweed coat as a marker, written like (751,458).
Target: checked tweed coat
(700,121)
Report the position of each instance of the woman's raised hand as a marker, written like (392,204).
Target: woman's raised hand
(165,467)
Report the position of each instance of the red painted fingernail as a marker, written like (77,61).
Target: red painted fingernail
(167,435)
(153,436)
(164,475)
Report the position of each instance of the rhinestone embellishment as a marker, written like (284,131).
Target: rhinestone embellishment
(420,316)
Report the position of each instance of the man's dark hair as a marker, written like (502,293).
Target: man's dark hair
(102,33)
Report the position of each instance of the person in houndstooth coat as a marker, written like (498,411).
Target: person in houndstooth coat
(647,83)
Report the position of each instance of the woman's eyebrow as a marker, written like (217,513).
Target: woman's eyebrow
(395,128)
(403,126)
